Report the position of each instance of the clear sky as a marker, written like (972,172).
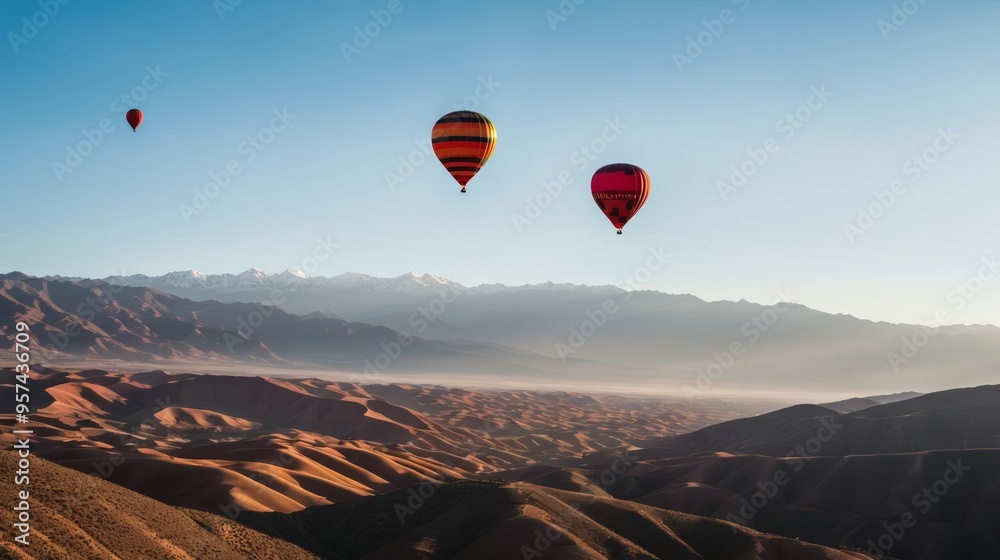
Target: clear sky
(208,77)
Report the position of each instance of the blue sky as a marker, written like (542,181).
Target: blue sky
(215,77)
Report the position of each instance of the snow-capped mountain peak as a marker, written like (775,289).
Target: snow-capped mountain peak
(294,279)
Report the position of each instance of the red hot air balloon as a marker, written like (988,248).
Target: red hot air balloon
(620,190)
(134,118)
(463,141)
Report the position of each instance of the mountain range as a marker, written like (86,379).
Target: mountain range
(556,333)
(293,279)
(96,320)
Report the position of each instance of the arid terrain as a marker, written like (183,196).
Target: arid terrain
(79,516)
(239,416)
(841,479)
(76,516)
(409,471)
(274,444)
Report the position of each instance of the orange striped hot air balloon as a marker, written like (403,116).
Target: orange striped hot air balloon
(620,190)
(463,141)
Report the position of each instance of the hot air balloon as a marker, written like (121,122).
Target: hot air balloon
(463,141)
(134,118)
(620,190)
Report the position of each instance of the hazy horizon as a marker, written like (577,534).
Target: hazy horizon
(929,321)
(769,395)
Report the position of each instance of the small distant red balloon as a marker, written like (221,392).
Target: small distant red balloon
(134,118)
(620,190)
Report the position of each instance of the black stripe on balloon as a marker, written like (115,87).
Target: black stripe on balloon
(479,139)
(626,168)
(470,169)
(448,160)
(460,120)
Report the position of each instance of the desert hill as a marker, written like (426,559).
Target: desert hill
(79,517)
(836,501)
(860,403)
(237,443)
(497,521)
(957,419)
(834,479)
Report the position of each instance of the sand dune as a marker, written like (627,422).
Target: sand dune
(556,426)
(229,444)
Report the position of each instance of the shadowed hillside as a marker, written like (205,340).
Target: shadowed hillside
(79,517)
(838,479)
(491,521)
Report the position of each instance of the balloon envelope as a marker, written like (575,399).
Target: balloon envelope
(134,118)
(620,190)
(463,141)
